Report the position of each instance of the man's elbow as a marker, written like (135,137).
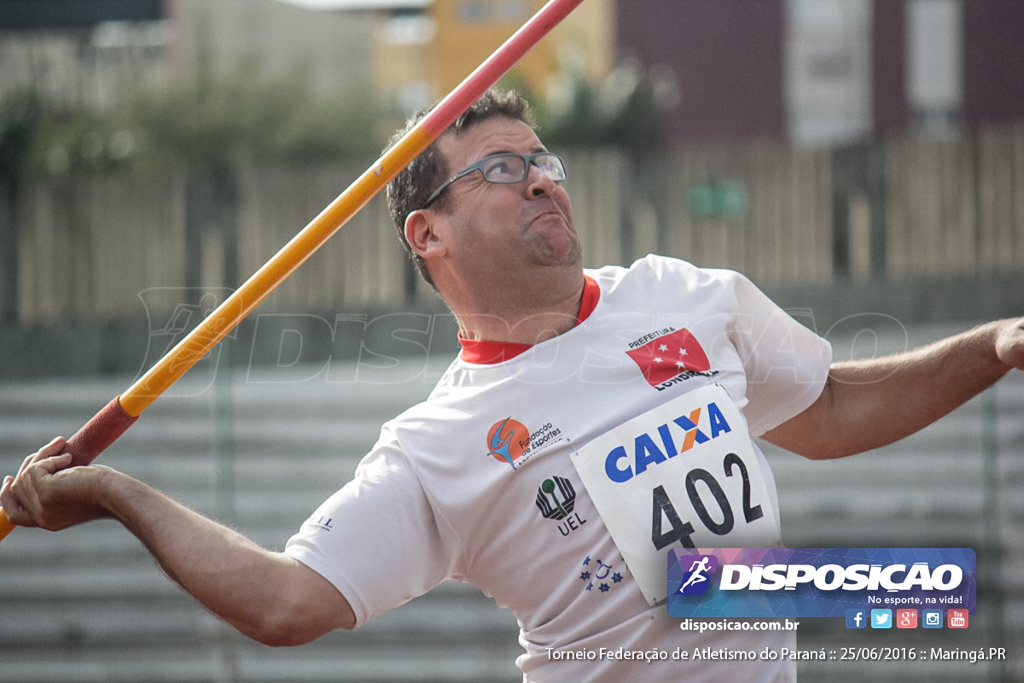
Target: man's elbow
(817,433)
(823,452)
(808,442)
(292,630)
(306,609)
(813,450)
(283,636)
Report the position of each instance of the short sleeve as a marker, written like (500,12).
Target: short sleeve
(786,364)
(375,539)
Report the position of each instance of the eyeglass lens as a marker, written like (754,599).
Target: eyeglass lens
(512,168)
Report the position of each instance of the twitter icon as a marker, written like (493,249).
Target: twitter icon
(881,618)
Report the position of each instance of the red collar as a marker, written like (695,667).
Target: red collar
(483,352)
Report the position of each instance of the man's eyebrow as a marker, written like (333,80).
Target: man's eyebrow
(535,150)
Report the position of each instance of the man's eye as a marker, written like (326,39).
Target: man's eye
(502,168)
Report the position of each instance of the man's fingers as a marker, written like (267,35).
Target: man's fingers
(18,495)
(1010,344)
(9,502)
(48,451)
(54,463)
(5,491)
(53,448)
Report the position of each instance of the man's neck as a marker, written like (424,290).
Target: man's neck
(522,319)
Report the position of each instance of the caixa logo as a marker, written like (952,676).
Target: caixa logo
(700,426)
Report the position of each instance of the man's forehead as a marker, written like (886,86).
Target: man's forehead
(491,136)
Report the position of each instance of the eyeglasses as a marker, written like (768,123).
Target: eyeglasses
(507,168)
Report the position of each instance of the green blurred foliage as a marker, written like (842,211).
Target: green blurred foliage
(19,121)
(209,121)
(241,118)
(202,121)
(623,112)
(77,142)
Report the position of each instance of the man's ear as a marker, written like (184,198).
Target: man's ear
(421,233)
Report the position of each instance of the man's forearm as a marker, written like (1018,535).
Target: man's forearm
(268,596)
(879,401)
(265,595)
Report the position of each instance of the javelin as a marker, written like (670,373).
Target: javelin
(117,416)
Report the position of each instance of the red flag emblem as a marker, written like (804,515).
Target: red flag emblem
(670,355)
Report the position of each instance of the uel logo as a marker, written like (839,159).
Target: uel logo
(556,499)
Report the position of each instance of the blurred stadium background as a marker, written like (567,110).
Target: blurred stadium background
(861,160)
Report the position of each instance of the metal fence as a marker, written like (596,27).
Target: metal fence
(900,208)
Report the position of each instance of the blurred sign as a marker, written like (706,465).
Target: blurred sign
(724,199)
(67,14)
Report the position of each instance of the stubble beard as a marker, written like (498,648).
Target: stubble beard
(552,245)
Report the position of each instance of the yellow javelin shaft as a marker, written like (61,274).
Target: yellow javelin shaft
(236,307)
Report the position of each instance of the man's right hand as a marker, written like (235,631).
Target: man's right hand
(266,595)
(48,493)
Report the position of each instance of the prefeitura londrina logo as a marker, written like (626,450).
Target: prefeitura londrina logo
(817,582)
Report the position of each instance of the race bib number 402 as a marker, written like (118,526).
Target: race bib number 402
(682,475)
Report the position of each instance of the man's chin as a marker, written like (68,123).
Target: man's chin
(566,254)
(555,241)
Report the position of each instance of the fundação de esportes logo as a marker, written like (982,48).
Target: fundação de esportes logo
(512,442)
(818,582)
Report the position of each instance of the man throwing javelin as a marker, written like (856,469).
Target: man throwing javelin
(555,360)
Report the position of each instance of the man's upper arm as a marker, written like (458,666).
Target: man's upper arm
(314,606)
(848,416)
(807,433)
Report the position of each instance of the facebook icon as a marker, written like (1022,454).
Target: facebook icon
(856,618)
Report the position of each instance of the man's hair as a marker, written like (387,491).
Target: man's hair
(409,190)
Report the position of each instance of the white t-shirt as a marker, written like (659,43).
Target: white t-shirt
(477,484)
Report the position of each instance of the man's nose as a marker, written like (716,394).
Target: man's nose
(538,182)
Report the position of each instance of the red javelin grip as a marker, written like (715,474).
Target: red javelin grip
(95,435)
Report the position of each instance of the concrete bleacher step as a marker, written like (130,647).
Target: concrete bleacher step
(89,604)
